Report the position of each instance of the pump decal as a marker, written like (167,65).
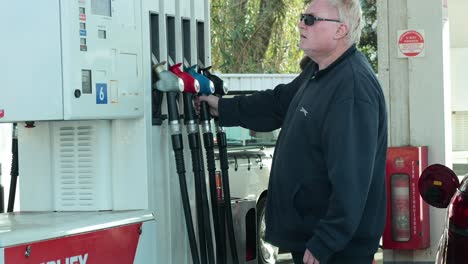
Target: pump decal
(113,245)
(83,32)
(101,93)
(2,113)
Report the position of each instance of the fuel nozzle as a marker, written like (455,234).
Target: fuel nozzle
(190,84)
(167,81)
(206,88)
(220,88)
(206,85)
(171,84)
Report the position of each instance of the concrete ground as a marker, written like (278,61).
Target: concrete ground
(286,258)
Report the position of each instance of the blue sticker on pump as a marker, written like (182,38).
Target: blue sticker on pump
(83,32)
(101,93)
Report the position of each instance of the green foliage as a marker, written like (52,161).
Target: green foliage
(368,43)
(255,36)
(261,36)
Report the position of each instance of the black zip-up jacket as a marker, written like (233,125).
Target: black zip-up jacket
(327,184)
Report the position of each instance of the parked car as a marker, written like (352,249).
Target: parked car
(439,186)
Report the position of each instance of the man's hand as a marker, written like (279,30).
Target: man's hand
(309,258)
(212,103)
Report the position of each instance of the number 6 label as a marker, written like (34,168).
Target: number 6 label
(101,93)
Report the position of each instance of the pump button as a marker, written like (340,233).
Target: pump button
(77,93)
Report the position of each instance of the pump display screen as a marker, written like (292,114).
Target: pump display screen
(86,87)
(101,7)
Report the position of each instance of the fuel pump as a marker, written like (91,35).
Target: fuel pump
(221,90)
(172,86)
(204,226)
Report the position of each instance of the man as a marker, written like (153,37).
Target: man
(326,197)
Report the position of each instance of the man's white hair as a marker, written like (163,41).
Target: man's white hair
(350,13)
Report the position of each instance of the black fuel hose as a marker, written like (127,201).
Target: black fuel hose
(203,215)
(208,143)
(223,159)
(177,146)
(2,197)
(225,204)
(14,169)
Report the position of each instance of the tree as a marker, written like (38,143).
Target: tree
(261,36)
(368,43)
(255,35)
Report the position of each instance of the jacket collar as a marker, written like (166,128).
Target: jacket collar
(316,73)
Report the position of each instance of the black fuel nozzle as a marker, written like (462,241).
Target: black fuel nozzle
(220,88)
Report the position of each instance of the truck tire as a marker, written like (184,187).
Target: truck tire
(267,253)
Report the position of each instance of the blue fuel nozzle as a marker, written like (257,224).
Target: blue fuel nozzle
(206,86)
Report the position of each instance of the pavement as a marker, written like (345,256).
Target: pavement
(286,258)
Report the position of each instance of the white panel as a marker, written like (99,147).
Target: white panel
(27,227)
(169,7)
(460,157)
(167,198)
(65,166)
(129,166)
(35,161)
(199,7)
(145,252)
(459,78)
(255,82)
(81,165)
(96,41)
(30,67)
(151,6)
(185,8)
(457,18)
(460,131)
(113,46)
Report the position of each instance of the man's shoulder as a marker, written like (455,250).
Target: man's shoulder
(359,80)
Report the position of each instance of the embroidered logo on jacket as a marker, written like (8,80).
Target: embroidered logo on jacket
(304,111)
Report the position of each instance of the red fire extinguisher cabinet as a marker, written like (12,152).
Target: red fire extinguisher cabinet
(407,225)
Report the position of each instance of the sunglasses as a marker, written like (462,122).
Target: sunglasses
(309,19)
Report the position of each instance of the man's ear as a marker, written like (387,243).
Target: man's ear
(342,31)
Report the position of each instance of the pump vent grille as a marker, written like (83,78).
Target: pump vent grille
(75,167)
(460,131)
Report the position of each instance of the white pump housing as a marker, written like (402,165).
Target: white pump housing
(71,60)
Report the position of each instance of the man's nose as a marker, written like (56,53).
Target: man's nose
(301,24)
